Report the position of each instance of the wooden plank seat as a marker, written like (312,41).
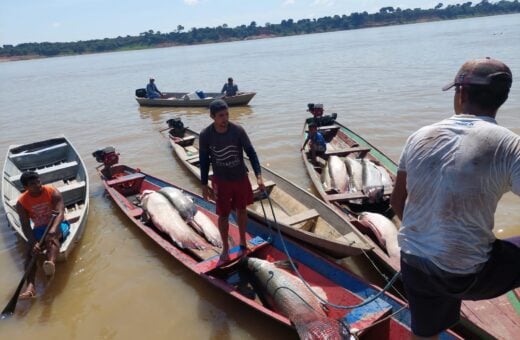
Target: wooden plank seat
(50,174)
(136,212)
(193,160)
(125,179)
(347,196)
(73,216)
(73,192)
(301,217)
(345,152)
(40,157)
(184,141)
(326,128)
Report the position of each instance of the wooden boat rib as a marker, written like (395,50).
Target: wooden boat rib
(385,318)
(59,164)
(180,99)
(476,315)
(298,213)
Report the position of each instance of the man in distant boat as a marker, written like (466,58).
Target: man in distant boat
(451,176)
(152,91)
(222,144)
(229,89)
(36,205)
(317,143)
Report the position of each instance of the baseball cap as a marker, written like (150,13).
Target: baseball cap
(217,105)
(485,71)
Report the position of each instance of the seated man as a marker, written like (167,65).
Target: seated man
(317,144)
(152,91)
(229,89)
(37,204)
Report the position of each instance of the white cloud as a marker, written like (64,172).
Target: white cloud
(191,2)
(56,24)
(288,2)
(323,3)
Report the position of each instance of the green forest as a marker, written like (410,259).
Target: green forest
(150,39)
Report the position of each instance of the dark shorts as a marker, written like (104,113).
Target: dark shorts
(232,194)
(435,296)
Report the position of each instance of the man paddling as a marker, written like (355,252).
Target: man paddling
(451,176)
(223,144)
(36,205)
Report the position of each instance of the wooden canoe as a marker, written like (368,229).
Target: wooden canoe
(298,213)
(181,99)
(498,317)
(59,164)
(385,318)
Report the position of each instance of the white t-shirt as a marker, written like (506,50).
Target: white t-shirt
(457,171)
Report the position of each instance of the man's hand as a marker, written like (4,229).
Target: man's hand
(35,248)
(207,194)
(260,182)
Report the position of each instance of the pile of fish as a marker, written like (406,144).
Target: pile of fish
(294,300)
(175,214)
(349,175)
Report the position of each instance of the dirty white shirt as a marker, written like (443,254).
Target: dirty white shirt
(457,171)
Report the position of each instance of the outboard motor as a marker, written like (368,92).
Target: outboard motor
(318,118)
(108,157)
(176,127)
(141,93)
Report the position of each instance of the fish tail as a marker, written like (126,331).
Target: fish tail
(322,328)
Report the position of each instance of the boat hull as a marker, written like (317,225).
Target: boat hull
(176,99)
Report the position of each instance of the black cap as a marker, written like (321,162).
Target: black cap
(217,105)
(484,72)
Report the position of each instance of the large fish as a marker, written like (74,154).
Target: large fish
(167,219)
(372,181)
(339,179)
(188,210)
(385,178)
(355,171)
(294,300)
(385,231)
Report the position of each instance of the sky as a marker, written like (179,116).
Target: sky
(23,21)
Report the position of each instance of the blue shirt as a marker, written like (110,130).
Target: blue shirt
(152,91)
(229,89)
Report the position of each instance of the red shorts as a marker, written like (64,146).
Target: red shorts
(232,194)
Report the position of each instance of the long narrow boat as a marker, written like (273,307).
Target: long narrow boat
(298,213)
(498,317)
(384,318)
(58,164)
(184,99)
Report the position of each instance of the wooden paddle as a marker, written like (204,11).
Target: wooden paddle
(9,309)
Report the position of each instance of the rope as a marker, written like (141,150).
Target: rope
(325,302)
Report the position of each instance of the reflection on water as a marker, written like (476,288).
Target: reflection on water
(158,113)
(382,82)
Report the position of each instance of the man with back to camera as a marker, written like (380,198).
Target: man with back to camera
(451,176)
(37,204)
(223,144)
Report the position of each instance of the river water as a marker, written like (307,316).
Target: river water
(384,83)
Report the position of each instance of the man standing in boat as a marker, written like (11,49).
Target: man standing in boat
(36,205)
(229,89)
(451,176)
(222,144)
(317,144)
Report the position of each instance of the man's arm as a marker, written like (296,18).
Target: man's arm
(223,88)
(204,164)
(26,224)
(399,195)
(59,206)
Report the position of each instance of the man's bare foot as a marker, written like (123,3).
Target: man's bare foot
(49,268)
(29,293)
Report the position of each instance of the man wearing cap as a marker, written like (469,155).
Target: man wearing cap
(451,176)
(223,144)
(152,91)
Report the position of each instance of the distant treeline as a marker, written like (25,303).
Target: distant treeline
(386,16)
